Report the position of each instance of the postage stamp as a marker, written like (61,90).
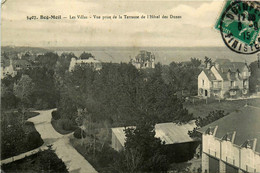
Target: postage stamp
(239,26)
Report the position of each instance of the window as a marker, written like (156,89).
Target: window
(202,82)
(232,83)
(232,93)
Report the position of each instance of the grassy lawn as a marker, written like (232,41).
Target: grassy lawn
(203,109)
(27,114)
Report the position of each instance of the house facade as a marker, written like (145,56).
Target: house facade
(11,67)
(224,79)
(231,144)
(95,64)
(144,60)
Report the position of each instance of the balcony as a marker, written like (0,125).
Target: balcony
(215,88)
(234,87)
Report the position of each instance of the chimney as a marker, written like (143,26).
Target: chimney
(208,65)
(217,66)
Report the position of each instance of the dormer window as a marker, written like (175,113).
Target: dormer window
(250,144)
(210,131)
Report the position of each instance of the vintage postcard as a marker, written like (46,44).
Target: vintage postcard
(130,86)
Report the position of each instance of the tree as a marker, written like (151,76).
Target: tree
(85,55)
(201,122)
(195,62)
(144,148)
(48,60)
(49,161)
(79,120)
(254,79)
(23,90)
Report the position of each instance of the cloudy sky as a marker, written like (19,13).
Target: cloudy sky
(194,29)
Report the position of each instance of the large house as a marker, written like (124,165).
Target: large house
(95,64)
(144,60)
(224,79)
(11,67)
(232,143)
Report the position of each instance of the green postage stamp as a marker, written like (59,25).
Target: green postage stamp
(239,25)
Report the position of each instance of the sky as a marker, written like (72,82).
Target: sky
(195,28)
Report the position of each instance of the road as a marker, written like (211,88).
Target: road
(74,161)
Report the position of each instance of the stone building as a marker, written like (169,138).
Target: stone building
(144,60)
(231,144)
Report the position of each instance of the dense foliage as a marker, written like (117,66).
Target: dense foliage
(143,151)
(16,137)
(120,94)
(254,79)
(201,122)
(79,133)
(45,161)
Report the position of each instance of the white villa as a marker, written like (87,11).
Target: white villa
(96,64)
(224,79)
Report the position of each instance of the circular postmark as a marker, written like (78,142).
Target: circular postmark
(239,26)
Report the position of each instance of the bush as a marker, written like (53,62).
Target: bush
(66,124)
(55,115)
(40,104)
(34,140)
(77,133)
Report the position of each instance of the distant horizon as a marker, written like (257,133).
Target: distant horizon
(164,55)
(113,46)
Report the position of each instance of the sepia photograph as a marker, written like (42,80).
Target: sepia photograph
(130,86)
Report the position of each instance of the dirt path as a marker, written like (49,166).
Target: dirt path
(73,160)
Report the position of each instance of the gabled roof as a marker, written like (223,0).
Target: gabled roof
(232,66)
(209,74)
(226,69)
(171,133)
(246,123)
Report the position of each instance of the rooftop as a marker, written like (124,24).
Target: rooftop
(170,133)
(89,60)
(246,123)
(209,74)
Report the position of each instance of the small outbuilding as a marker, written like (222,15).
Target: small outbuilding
(179,146)
(170,133)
